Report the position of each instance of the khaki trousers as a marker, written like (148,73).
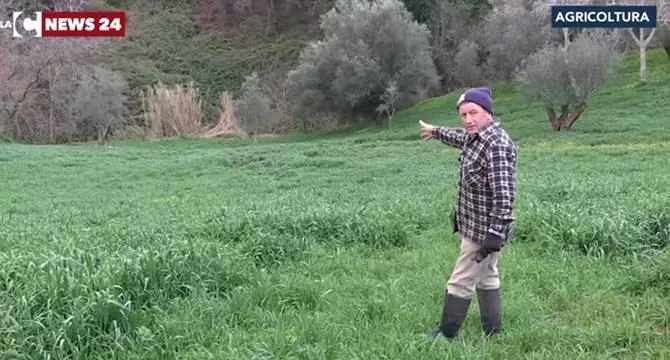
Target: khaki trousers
(468,275)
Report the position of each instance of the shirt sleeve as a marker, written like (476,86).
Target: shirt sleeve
(454,137)
(502,179)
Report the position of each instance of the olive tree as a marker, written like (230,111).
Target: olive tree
(563,77)
(368,47)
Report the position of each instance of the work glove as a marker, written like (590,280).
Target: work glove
(492,243)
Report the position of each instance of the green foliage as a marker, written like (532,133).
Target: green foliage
(606,121)
(366,46)
(120,4)
(423,9)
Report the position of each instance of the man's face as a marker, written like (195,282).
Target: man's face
(474,117)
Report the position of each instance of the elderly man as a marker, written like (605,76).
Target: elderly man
(484,213)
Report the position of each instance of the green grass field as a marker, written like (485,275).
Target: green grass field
(338,247)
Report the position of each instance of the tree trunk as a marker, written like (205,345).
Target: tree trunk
(643,62)
(551,114)
(571,118)
(566,119)
(643,44)
(103,134)
(556,120)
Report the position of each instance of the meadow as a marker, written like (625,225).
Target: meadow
(338,246)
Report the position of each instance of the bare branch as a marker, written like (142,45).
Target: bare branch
(648,39)
(638,40)
(566,38)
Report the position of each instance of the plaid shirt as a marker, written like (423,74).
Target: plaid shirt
(487,182)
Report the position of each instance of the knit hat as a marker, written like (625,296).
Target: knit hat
(480,96)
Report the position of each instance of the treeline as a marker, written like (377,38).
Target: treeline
(240,67)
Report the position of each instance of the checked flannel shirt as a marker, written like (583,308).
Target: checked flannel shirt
(487,182)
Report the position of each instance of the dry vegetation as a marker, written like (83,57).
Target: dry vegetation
(228,125)
(176,111)
(171,112)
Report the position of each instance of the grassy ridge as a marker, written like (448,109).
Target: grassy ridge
(334,248)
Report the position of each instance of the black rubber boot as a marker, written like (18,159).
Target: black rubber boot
(490,310)
(454,312)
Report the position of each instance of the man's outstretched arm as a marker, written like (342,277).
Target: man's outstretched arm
(454,137)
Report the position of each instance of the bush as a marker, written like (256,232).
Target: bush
(254,109)
(175,111)
(367,46)
(98,102)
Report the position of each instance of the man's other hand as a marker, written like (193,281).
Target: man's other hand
(492,244)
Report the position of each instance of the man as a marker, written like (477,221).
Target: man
(484,213)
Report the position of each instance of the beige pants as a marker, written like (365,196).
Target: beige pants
(468,275)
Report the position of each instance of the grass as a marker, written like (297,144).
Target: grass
(337,247)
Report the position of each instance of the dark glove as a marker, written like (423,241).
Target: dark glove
(454,224)
(491,244)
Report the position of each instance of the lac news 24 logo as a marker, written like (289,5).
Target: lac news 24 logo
(66,24)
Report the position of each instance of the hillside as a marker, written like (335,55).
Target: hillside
(182,41)
(338,245)
(198,68)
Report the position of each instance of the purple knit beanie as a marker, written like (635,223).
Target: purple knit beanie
(480,96)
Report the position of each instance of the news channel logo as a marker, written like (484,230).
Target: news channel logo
(25,25)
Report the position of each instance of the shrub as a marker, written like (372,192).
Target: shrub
(367,46)
(98,103)
(254,109)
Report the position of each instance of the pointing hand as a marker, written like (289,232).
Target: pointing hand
(426,130)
